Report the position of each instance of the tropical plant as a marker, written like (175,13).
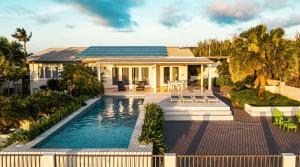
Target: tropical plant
(261,54)
(25,136)
(213,47)
(12,60)
(22,36)
(80,80)
(152,130)
(54,84)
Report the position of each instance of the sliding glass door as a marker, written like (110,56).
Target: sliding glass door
(166,74)
(135,75)
(125,75)
(175,73)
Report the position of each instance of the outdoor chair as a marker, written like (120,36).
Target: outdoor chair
(141,86)
(277,113)
(187,97)
(175,97)
(121,86)
(298,116)
(290,126)
(199,97)
(210,97)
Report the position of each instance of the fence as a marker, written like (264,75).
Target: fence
(167,160)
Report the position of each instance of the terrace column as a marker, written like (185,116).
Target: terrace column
(154,81)
(201,78)
(99,73)
(209,77)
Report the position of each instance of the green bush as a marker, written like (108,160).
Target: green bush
(24,136)
(54,84)
(153,128)
(223,81)
(80,80)
(249,96)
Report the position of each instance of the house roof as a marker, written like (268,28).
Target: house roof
(125,54)
(156,60)
(56,55)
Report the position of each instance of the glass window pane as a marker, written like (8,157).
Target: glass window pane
(175,74)
(47,72)
(55,72)
(41,72)
(166,74)
(125,75)
(145,75)
(115,75)
(135,75)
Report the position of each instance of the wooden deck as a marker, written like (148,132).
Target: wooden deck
(245,135)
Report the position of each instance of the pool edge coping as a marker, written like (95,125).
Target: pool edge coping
(134,146)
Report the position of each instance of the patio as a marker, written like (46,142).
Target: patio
(245,135)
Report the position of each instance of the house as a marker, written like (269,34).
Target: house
(156,65)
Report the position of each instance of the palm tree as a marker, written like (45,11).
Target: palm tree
(21,36)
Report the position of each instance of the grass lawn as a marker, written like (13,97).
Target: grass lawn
(249,96)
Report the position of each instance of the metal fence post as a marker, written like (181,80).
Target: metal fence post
(170,160)
(48,160)
(288,160)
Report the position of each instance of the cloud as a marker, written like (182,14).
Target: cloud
(225,12)
(40,18)
(172,17)
(279,4)
(110,13)
(285,22)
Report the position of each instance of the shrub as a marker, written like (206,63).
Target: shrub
(223,81)
(24,136)
(43,87)
(53,84)
(152,130)
(249,96)
(80,80)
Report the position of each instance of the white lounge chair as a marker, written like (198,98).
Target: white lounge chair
(187,97)
(175,97)
(210,97)
(199,96)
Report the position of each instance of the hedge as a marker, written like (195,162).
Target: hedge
(153,128)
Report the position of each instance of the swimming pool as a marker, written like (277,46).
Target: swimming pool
(109,124)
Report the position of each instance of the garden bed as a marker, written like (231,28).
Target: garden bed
(249,96)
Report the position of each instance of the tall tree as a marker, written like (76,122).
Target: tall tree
(21,36)
(261,54)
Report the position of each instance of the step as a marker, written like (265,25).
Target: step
(188,108)
(200,118)
(193,113)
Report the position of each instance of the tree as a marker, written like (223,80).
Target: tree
(12,60)
(21,36)
(263,55)
(81,81)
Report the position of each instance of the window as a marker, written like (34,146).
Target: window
(115,75)
(47,72)
(135,75)
(55,72)
(125,75)
(145,75)
(41,72)
(166,74)
(175,74)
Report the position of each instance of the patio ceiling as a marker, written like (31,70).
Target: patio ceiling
(155,60)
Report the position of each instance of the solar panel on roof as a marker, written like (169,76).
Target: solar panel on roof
(95,51)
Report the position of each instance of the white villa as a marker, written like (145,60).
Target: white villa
(156,65)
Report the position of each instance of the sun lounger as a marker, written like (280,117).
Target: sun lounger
(199,97)
(187,97)
(175,97)
(210,97)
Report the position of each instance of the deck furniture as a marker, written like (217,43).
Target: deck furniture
(282,122)
(141,86)
(290,126)
(121,86)
(175,97)
(298,116)
(210,97)
(177,84)
(277,113)
(187,97)
(199,96)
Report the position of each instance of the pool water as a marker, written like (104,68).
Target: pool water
(109,124)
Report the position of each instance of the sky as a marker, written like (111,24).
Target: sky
(67,23)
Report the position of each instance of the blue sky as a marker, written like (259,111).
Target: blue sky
(64,23)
